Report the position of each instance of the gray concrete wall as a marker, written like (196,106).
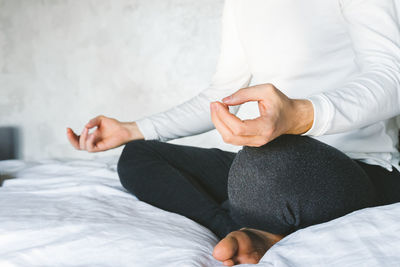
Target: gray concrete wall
(65,61)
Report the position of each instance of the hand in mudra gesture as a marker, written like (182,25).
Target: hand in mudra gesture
(109,133)
(278,115)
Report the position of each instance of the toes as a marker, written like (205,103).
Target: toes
(243,246)
(252,258)
(228,263)
(226,249)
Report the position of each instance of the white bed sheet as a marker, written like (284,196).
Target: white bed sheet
(75,213)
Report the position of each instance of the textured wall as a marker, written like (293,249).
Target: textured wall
(65,61)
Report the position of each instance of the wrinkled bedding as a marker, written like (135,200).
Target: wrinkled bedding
(75,213)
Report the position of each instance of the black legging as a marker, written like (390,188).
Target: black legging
(288,184)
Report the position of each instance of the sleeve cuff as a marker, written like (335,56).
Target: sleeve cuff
(147,128)
(323,114)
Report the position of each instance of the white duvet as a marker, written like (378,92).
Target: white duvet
(75,213)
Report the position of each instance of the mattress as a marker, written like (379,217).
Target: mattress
(75,213)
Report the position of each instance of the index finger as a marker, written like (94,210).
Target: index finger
(94,122)
(227,134)
(254,93)
(236,125)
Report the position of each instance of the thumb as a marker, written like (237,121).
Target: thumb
(244,95)
(93,141)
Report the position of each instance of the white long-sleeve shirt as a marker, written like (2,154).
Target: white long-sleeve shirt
(342,55)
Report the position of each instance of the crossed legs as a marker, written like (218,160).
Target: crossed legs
(290,183)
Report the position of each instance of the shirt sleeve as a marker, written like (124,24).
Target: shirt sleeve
(374,94)
(193,117)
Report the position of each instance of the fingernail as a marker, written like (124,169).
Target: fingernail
(227,99)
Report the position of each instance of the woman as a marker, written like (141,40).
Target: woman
(323,144)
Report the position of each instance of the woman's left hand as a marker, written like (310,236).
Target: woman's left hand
(278,115)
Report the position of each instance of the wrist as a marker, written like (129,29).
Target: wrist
(133,131)
(302,116)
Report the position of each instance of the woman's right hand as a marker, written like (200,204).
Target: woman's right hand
(110,133)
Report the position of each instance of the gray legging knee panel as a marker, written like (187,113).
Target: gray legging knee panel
(293,182)
(283,186)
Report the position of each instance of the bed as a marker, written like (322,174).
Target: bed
(75,213)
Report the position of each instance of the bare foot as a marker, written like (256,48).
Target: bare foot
(244,246)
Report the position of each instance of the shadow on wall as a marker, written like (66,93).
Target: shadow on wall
(10,143)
